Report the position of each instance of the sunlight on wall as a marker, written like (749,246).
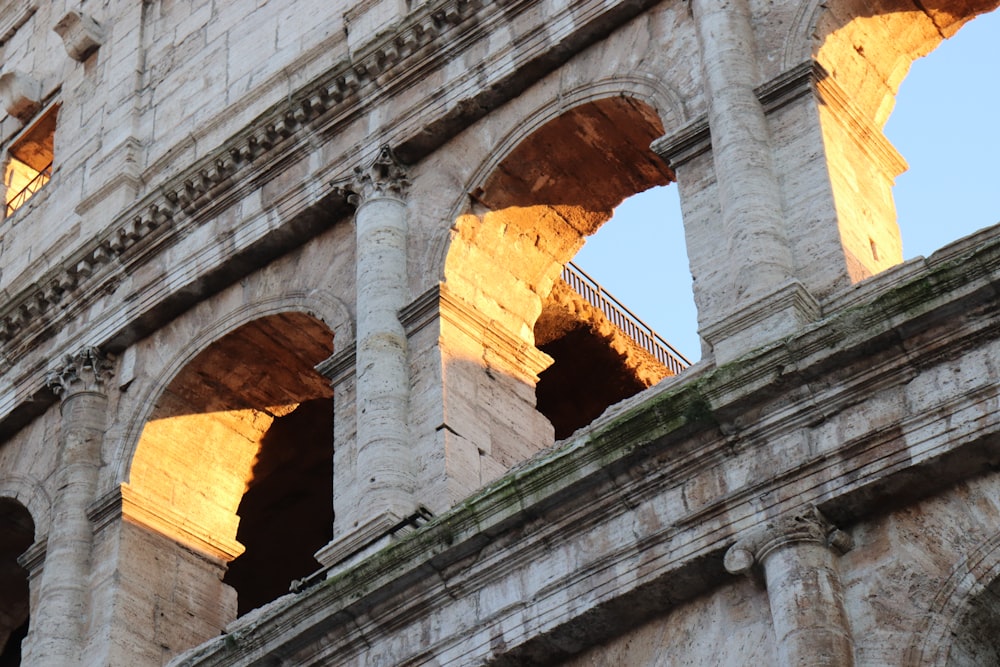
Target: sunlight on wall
(944,124)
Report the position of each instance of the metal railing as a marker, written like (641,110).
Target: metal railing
(33,186)
(623,318)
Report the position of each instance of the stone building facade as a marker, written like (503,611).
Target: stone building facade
(276,281)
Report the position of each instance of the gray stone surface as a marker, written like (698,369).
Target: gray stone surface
(207,228)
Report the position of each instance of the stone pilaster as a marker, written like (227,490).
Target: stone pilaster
(58,625)
(797,554)
(383,460)
(762,273)
(748,187)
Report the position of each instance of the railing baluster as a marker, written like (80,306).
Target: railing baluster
(33,186)
(623,318)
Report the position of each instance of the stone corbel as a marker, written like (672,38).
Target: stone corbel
(20,94)
(808,525)
(81,34)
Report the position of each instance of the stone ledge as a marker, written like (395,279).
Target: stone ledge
(33,312)
(649,462)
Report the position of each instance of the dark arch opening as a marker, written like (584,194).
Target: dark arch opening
(258,418)
(17,533)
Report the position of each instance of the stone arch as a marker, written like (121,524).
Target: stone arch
(241,398)
(323,306)
(552,182)
(574,111)
(642,86)
(861,54)
(17,533)
(868,49)
(32,495)
(972,588)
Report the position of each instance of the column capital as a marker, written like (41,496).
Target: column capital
(88,370)
(804,525)
(384,177)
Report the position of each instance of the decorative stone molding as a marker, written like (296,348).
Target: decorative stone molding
(510,353)
(694,138)
(81,34)
(808,525)
(192,193)
(384,177)
(125,502)
(86,371)
(34,557)
(421,311)
(14,15)
(866,135)
(20,94)
(762,321)
(339,365)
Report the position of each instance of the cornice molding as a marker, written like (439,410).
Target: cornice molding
(192,196)
(514,355)
(387,64)
(695,138)
(124,502)
(340,365)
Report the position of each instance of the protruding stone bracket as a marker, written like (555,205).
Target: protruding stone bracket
(81,34)
(384,177)
(808,525)
(20,94)
(89,370)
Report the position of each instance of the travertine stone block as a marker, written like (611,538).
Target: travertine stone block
(81,34)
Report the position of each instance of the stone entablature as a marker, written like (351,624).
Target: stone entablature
(257,154)
(672,479)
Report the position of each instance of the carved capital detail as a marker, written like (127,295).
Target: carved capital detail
(384,177)
(81,34)
(805,525)
(86,371)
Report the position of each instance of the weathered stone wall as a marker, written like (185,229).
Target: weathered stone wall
(260,204)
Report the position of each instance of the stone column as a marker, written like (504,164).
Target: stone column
(797,554)
(750,198)
(58,626)
(384,456)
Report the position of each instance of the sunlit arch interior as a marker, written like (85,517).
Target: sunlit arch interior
(530,217)
(238,444)
(866,51)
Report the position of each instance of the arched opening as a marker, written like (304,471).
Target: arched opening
(529,218)
(237,454)
(653,278)
(17,533)
(976,639)
(944,125)
(866,51)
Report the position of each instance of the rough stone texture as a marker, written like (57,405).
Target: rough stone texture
(205,225)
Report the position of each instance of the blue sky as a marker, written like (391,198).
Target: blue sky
(943,124)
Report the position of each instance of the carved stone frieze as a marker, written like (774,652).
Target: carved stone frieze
(806,525)
(86,371)
(198,187)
